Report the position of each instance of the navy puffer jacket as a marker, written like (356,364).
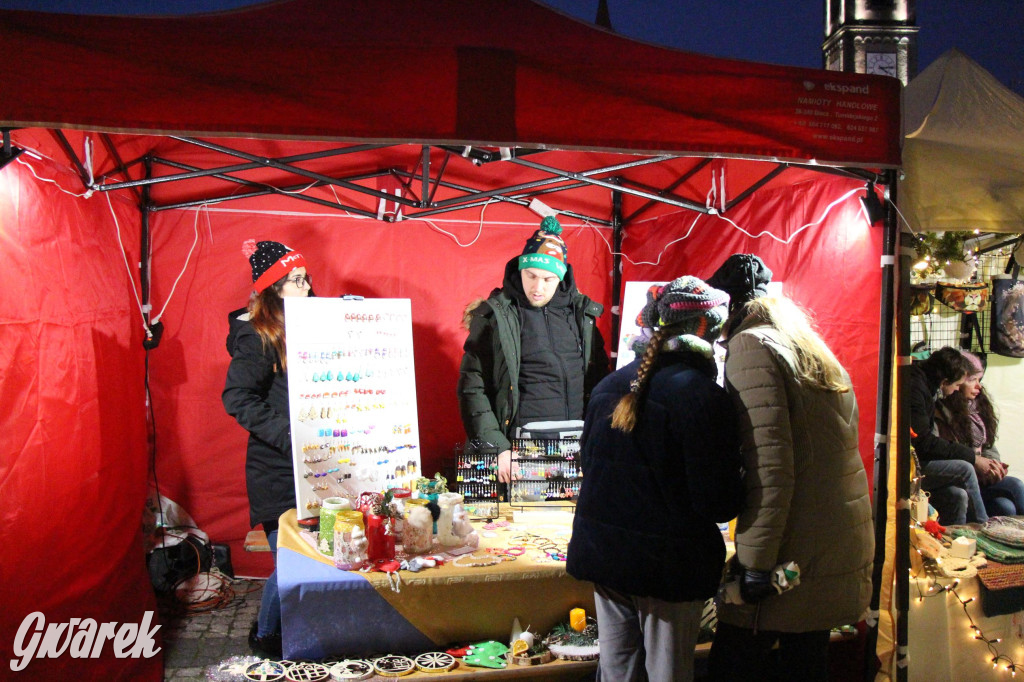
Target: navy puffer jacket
(646,519)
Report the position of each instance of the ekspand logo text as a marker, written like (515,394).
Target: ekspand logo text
(81,638)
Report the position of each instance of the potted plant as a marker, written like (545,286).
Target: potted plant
(944,252)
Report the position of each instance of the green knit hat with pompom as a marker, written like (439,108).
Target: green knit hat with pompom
(545,249)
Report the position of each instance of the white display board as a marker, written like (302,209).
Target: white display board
(634,298)
(352,395)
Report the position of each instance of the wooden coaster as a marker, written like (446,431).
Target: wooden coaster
(434,662)
(393,666)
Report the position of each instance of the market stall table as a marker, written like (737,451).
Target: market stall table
(329,612)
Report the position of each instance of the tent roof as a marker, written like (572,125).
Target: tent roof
(963,156)
(451,71)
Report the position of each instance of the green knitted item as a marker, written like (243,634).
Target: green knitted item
(1008,530)
(992,549)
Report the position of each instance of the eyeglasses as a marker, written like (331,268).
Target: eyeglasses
(301,280)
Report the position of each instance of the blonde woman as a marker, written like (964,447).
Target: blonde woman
(806,497)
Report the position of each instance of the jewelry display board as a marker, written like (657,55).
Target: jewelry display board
(476,473)
(352,395)
(549,470)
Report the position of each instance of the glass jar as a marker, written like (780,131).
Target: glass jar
(329,509)
(445,532)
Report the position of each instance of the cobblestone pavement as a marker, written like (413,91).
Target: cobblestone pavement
(193,641)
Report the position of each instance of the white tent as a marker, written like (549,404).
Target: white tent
(963,155)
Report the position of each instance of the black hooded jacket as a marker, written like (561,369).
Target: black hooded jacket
(924,391)
(256,394)
(505,339)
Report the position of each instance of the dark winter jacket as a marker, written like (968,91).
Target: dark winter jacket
(489,376)
(551,368)
(647,514)
(256,394)
(929,446)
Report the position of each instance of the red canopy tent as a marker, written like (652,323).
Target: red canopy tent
(397,145)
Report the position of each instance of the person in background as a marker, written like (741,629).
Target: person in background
(533,352)
(661,463)
(256,395)
(806,498)
(967,416)
(949,468)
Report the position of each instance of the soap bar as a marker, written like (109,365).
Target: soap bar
(963,548)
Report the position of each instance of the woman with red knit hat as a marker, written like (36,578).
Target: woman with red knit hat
(256,394)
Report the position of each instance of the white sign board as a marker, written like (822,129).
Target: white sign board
(634,298)
(352,396)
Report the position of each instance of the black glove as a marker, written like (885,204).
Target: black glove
(755,585)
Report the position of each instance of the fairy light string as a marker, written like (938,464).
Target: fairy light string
(995,655)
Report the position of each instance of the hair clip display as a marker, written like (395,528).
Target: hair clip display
(352,397)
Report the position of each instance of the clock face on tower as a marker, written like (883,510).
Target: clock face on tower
(881,63)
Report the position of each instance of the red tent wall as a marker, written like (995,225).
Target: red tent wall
(73,457)
(830,268)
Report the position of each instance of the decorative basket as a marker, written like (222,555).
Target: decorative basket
(958,270)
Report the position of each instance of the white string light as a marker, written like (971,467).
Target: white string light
(128,269)
(195,228)
(974,631)
(23,162)
(714,212)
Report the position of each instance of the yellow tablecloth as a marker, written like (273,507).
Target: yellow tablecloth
(459,604)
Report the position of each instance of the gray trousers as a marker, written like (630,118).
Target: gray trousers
(643,638)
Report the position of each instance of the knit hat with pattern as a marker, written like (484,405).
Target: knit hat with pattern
(270,262)
(688,303)
(545,249)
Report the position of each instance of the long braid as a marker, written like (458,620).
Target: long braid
(626,412)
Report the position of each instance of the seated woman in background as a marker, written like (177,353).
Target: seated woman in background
(948,467)
(968,417)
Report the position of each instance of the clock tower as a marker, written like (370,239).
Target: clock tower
(871,36)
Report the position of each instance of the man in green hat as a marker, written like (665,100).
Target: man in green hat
(533,352)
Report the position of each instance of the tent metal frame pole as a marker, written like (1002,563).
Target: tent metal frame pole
(742,196)
(279,165)
(901,563)
(264,189)
(617,230)
(62,140)
(144,244)
(516,199)
(612,186)
(221,170)
(880,496)
(108,144)
(668,190)
(580,176)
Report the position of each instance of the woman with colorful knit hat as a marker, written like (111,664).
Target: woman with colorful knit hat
(256,394)
(806,497)
(661,463)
